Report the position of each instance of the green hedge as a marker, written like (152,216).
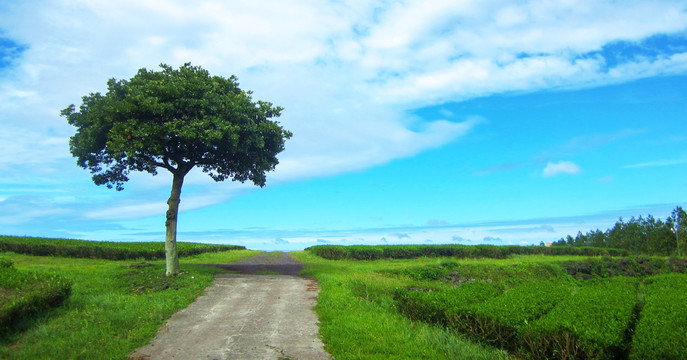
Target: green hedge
(436,306)
(629,266)
(25,293)
(482,310)
(660,333)
(365,252)
(500,320)
(102,249)
(591,324)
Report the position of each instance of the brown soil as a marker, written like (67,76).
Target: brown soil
(246,316)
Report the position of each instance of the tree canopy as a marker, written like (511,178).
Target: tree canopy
(640,235)
(175,119)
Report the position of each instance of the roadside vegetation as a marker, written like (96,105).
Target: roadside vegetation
(521,306)
(111,307)
(102,249)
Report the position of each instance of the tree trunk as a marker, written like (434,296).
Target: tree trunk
(171,254)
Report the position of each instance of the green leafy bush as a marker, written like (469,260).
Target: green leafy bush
(102,249)
(591,324)
(4,263)
(440,306)
(660,332)
(365,252)
(500,319)
(632,266)
(23,293)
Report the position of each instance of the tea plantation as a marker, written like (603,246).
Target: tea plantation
(565,307)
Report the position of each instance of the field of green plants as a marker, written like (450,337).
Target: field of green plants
(522,306)
(102,249)
(54,307)
(408,302)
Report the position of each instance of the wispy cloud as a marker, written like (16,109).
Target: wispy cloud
(561,167)
(657,163)
(586,143)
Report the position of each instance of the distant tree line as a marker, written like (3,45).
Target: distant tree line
(639,235)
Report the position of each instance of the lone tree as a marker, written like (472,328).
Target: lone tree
(175,120)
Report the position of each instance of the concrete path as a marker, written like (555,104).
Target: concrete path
(245,316)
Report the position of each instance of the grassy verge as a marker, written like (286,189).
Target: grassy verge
(359,319)
(115,306)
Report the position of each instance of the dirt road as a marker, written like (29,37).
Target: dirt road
(246,316)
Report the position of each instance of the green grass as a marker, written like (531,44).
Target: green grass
(359,319)
(114,308)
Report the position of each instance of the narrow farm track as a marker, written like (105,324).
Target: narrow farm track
(246,316)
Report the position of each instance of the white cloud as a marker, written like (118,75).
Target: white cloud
(346,72)
(561,167)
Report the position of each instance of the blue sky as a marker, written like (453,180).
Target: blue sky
(414,122)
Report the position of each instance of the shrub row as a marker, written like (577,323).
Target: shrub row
(102,250)
(435,306)
(500,320)
(365,252)
(663,322)
(635,266)
(482,311)
(25,293)
(592,324)
(543,318)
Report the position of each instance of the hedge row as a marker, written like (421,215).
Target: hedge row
(435,306)
(661,330)
(25,293)
(592,324)
(500,319)
(365,252)
(542,318)
(632,266)
(102,250)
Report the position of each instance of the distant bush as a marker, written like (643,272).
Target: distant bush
(663,316)
(627,266)
(102,250)
(365,252)
(25,293)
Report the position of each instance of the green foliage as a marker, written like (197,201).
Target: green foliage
(23,293)
(639,235)
(634,266)
(590,324)
(363,252)
(102,249)
(175,119)
(444,307)
(663,322)
(501,319)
